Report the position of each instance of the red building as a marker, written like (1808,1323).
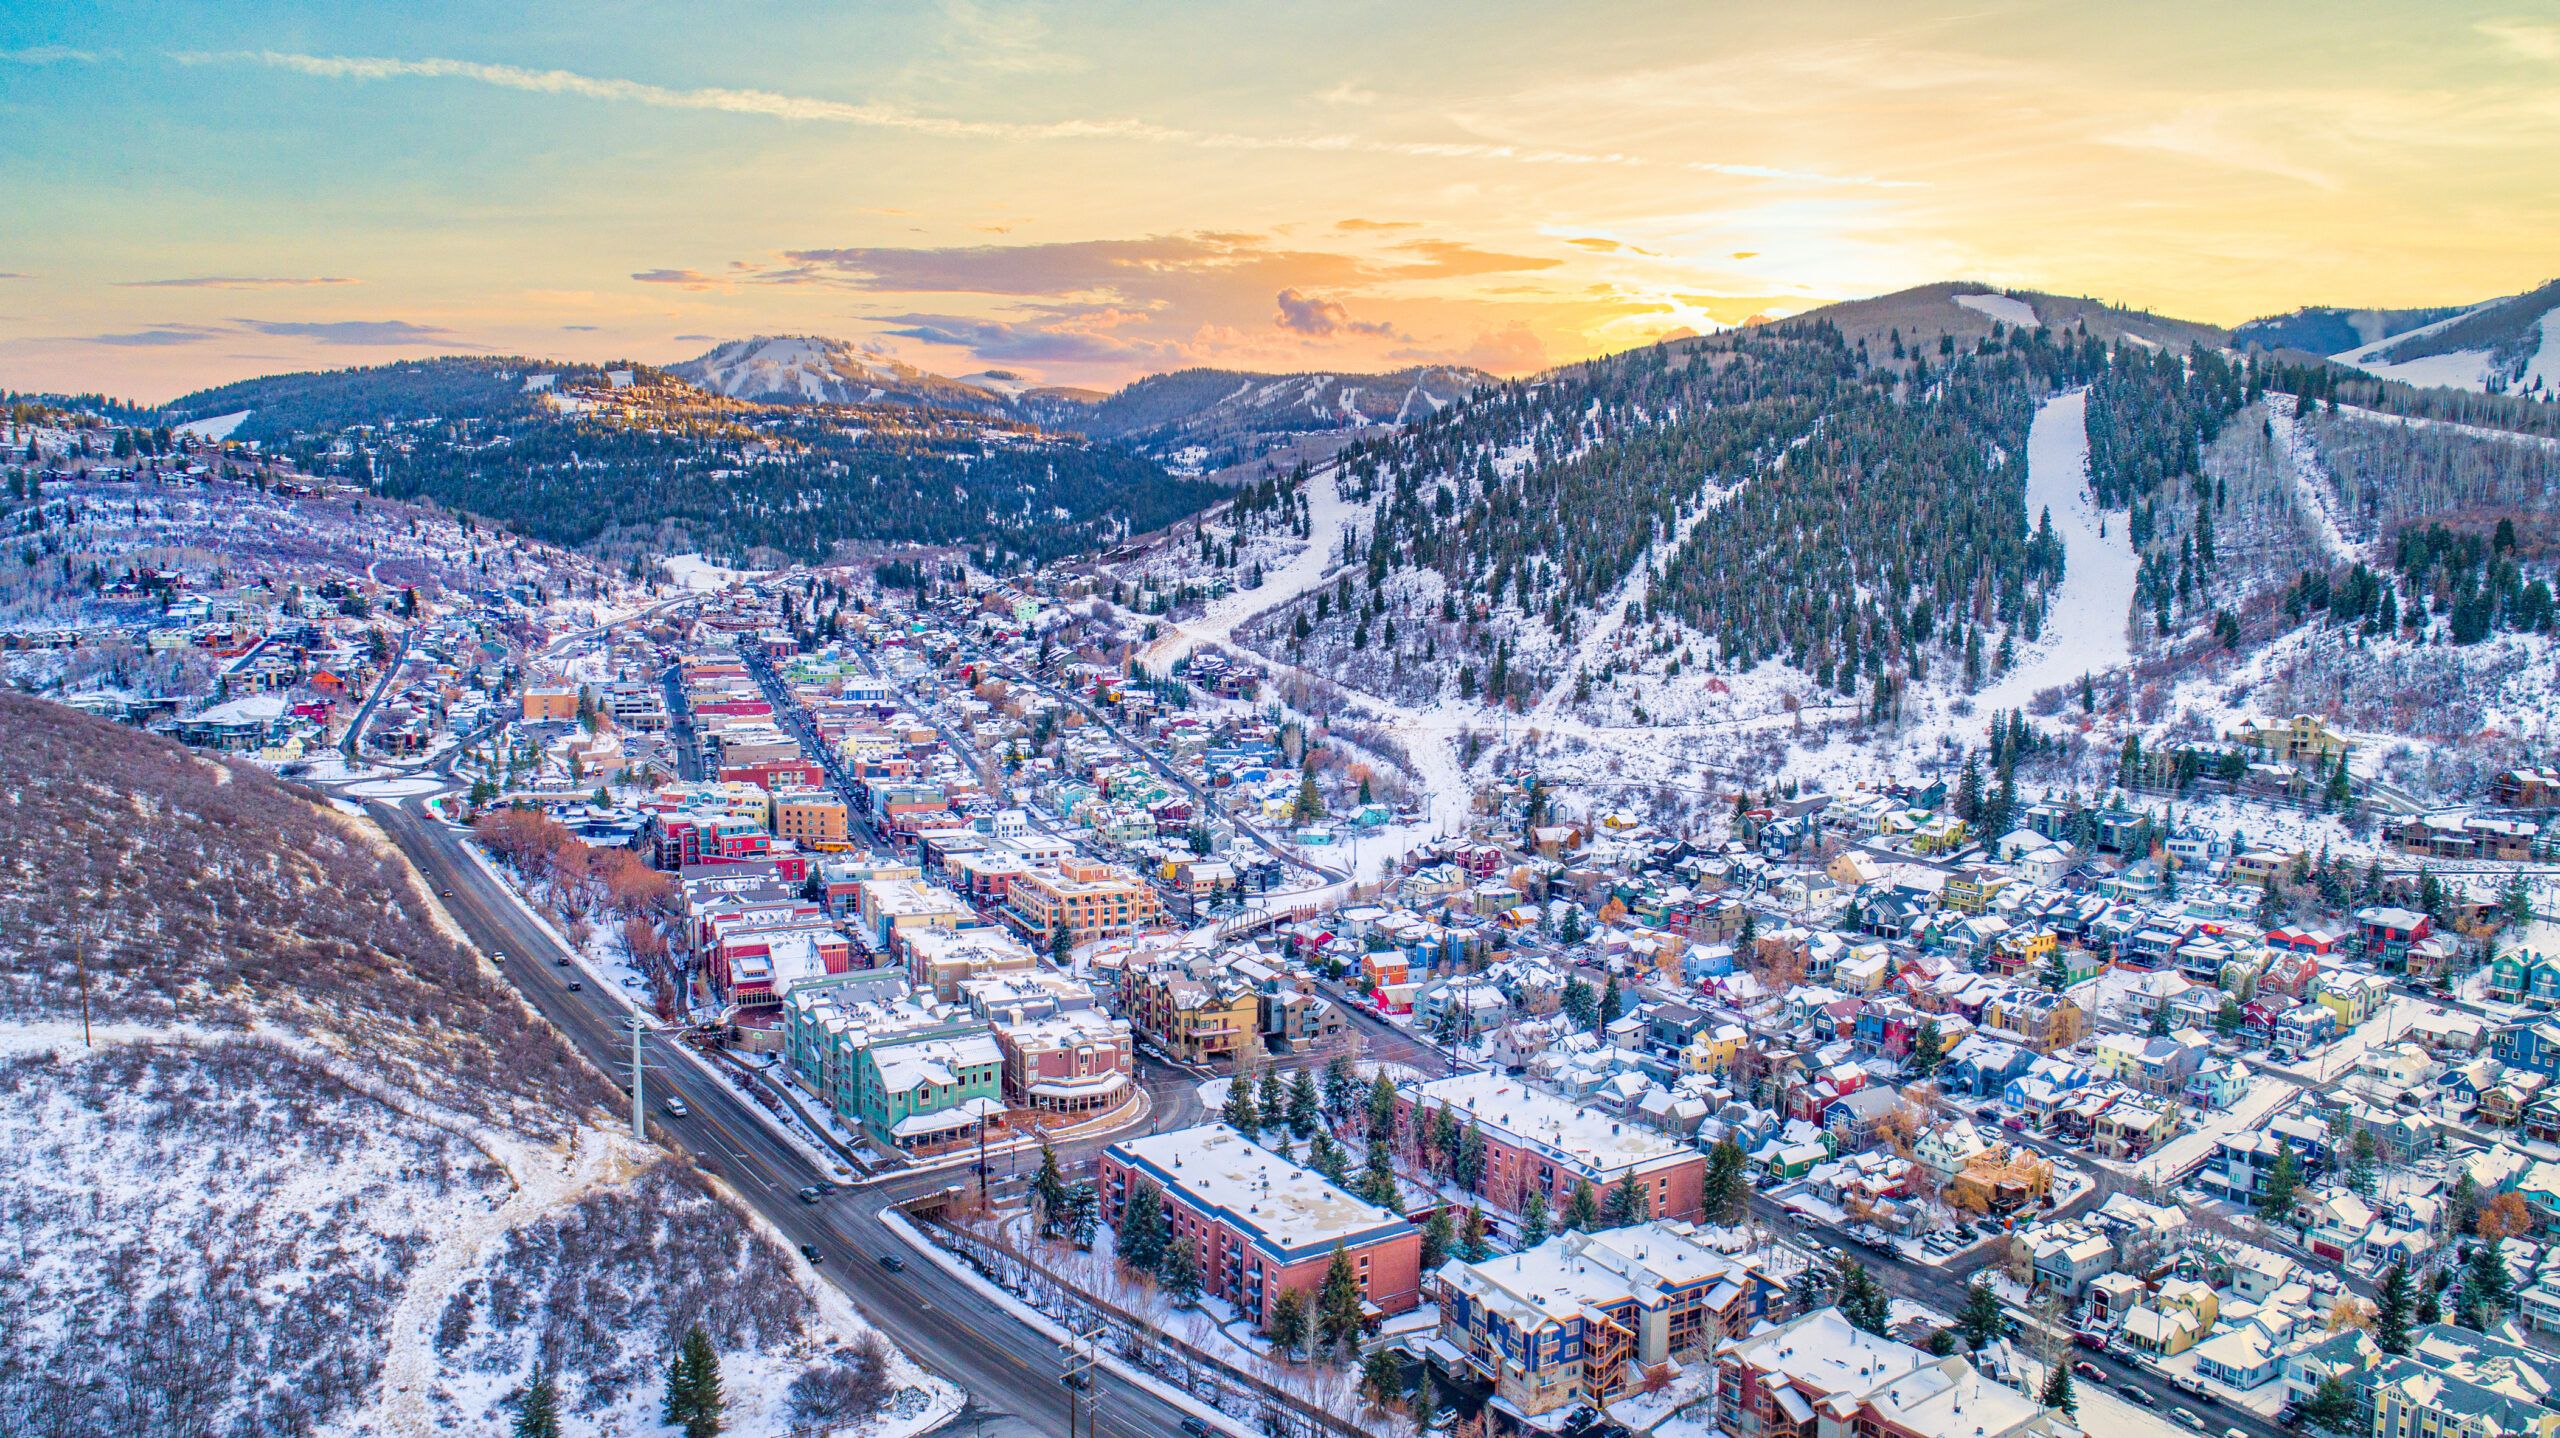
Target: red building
(1535,1140)
(1262,1225)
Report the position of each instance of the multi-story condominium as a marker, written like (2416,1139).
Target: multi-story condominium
(1537,1141)
(1262,1225)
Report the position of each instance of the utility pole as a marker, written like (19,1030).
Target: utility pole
(639,1106)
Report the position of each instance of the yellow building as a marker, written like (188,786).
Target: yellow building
(812,818)
(1970,891)
(2300,740)
(1088,900)
(543,706)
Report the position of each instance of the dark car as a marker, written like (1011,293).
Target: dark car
(444,893)
(1075,1379)
(562,961)
(810,1252)
(2133,1394)
(889,1261)
(1195,1428)
(577,988)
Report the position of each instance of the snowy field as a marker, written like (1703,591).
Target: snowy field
(2086,631)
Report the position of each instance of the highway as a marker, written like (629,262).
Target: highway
(1009,1371)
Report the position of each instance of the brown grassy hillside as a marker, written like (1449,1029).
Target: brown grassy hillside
(207,894)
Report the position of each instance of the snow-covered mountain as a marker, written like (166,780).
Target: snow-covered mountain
(813,369)
(1156,414)
(2505,346)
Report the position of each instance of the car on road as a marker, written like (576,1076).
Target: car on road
(577,988)
(2134,1393)
(2090,1371)
(1075,1378)
(893,1263)
(1195,1428)
(2233,1433)
(561,962)
(444,893)
(812,1195)
(498,957)
(675,1107)
(2015,1123)
(2188,1418)
(810,1252)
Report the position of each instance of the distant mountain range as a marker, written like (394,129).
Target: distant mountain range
(1211,408)
(2507,345)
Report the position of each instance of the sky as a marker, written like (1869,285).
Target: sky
(1085,194)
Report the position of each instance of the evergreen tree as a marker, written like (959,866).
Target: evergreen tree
(1582,1209)
(538,1415)
(1627,1203)
(2360,1168)
(1289,1323)
(2430,1303)
(2331,1408)
(1303,1105)
(1533,1219)
(1239,1112)
(705,1410)
(1437,1235)
(1049,1190)
(2057,1393)
(1272,1104)
(1378,1180)
(2391,1311)
(2283,1178)
(1580,1008)
(1472,1245)
(2159,1027)
(1613,1004)
(1341,1085)
(1381,1379)
(1310,806)
(1338,1303)
(1981,1320)
(1928,1047)
(1084,1214)
(1145,1232)
(1181,1273)
(1382,1109)
(1861,1300)
(2228,1019)
(1728,1185)
(1469,1170)
(2485,1284)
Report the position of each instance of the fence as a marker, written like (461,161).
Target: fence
(1140,1342)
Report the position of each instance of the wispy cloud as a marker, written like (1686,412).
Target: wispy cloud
(2525,38)
(156,336)
(50,55)
(687,279)
(349,332)
(774,105)
(235,282)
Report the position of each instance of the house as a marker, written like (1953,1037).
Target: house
(2456,1381)
(1946,1149)
(1779,1379)
(2241,1357)
(2066,1256)
(2131,1127)
(2343,1355)
(2339,1221)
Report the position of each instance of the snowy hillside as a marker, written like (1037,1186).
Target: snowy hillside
(812,369)
(322,1172)
(2506,346)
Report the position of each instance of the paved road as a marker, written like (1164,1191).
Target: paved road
(1009,1371)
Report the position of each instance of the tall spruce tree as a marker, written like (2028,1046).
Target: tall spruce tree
(538,1414)
(1582,1209)
(2391,1311)
(2057,1392)
(1533,1219)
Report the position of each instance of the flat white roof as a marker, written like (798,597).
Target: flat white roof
(1532,1118)
(1287,1207)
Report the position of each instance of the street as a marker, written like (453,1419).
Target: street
(1010,1371)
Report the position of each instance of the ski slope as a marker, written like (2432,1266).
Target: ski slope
(2084,626)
